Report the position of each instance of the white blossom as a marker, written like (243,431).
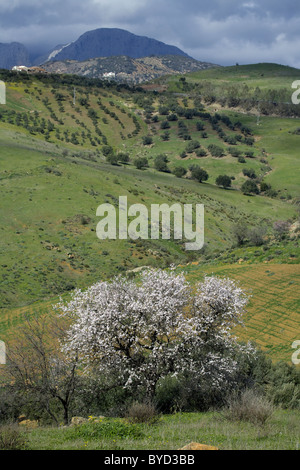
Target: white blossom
(142,331)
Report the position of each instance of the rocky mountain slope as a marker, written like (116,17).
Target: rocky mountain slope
(126,69)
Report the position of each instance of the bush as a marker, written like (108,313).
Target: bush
(105,428)
(11,438)
(141,162)
(251,407)
(160,163)
(216,151)
(112,159)
(250,187)
(147,140)
(198,173)
(249,172)
(179,171)
(223,180)
(142,413)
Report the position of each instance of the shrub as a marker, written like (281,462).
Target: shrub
(147,140)
(223,180)
(257,235)
(192,146)
(105,428)
(249,172)
(179,171)
(141,162)
(112,159)
(250,187)
(249,406)
(216,151)
(160,163)
(142,413)
(198,173)
(201,153)
(11,438)
(123,157)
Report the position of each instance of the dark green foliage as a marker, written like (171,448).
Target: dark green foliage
(112,159)
(179,171)
(160,163)
(147,140)
(123,157)
(250,187)
(192,146)
(141,162)
(216,151)
(198,173)
(249,172)
(223,180)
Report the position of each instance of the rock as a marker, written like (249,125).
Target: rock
(197,446)
(21,418)
(77,420)
(29,424)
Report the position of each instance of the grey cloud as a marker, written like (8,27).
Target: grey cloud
(216,30)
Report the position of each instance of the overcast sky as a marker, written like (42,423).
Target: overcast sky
(218,31)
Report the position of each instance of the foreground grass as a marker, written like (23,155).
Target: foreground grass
(281,432)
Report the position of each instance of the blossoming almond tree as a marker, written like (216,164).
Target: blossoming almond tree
(142,331)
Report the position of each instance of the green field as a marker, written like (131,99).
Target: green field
(54,174)
(176,431)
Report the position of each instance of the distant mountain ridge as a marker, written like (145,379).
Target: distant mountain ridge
(127,69)
(13,53)
(123,55)
(108,42)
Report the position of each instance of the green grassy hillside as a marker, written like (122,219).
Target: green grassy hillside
(55,170)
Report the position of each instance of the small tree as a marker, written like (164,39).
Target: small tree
(240,233)
(179,171)
(249,172)
(216,151)
(38,369)
(141,162)
(112,159)
(250,187)
(224,181)
(123,157)
(198,173)
(147,140)
(160,163)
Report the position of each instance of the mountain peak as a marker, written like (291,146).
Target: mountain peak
(12,54)
(108,42)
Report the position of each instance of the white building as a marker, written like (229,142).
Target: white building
(20,68)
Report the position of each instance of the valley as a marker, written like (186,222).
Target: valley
(69,144)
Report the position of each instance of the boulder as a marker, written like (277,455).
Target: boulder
(77,420)
(29,424)
(197,446)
